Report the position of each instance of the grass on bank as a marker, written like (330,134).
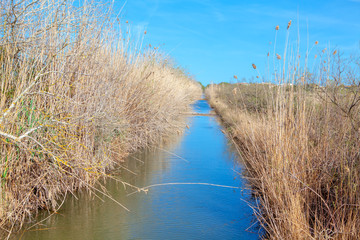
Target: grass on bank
(76,96)
(299,140)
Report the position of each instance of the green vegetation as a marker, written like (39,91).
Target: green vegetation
(76,96)
(300,142)
(202,86)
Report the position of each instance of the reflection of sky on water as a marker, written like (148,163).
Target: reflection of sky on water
(201,106)
(166,212)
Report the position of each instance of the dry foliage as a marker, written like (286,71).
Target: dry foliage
(76,95)
(300,143)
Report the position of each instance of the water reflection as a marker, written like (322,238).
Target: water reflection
(202,106)
(170,211)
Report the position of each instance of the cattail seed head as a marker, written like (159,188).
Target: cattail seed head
(334,52)
(254,66)
(235,77)
(278,56)
(289,24)
(277,27)
(268,54)
(316,42)
(145,32)
(127,21)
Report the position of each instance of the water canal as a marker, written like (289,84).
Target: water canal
(201,155)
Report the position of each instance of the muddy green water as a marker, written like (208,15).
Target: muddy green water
(201,155)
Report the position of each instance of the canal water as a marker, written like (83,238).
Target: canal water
(199,210)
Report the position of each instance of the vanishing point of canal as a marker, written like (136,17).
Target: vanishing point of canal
(190,211)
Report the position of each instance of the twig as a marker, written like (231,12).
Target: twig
(173,154)
(145,189)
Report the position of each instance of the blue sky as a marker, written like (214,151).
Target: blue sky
(215,40)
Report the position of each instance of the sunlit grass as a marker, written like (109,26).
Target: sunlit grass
(299,139)
(76,96)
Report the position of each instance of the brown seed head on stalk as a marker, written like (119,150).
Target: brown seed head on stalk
(235,77)
(315,56)
(257,76)
(145,32)
(268,54)
(324,50)
(278,56)
(254,66)
(316,42)
(127,21)
(334,52)
(277,27)
(289,24)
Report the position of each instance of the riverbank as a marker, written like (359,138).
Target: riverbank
(300,144)
(191,189)
(76,96)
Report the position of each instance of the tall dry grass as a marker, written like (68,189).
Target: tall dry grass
(76,95)
(299,139)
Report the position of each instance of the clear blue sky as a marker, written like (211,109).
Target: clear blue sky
(217,39)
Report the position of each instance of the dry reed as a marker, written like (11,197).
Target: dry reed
(76,96)
(299,139)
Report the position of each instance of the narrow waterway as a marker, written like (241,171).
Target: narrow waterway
(189,211)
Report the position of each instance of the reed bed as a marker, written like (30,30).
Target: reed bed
(77,94)
(298,135)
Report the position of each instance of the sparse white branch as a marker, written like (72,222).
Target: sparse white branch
(17,99)
(21,95)
(9,136)
(28,132)
(18,139)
